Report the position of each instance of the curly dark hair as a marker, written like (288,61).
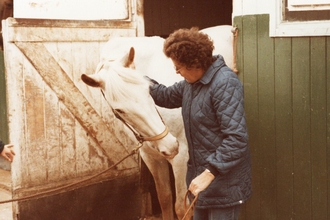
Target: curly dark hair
(190,48)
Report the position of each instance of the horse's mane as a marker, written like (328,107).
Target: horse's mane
(123,83)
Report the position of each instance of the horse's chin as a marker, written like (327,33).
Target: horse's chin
(170,157)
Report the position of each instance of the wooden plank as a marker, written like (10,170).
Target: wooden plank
(62,53)
(52,135)
(139,18)
(67,92)
(301,127)
(318,127)
(266,105)
(16,113)
(238,22)
(328,118)
(71,24)
(250,71)
(68,146)
(81,52)
(34,30)
(284,132)
(38,34)
(34,103)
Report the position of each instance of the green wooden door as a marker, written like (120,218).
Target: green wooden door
(287,101)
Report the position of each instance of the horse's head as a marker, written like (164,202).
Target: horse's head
(127,92)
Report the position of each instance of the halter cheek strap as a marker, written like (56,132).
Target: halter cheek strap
(138,136)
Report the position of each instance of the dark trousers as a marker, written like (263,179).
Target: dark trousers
(230,213)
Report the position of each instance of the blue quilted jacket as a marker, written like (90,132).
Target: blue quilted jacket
(216,131)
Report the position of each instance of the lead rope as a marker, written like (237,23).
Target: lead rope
(55,191)
(192,205)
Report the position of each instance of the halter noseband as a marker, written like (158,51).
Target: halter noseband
(138,136)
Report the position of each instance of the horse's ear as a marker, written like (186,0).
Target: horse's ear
(91,80)
(130,58)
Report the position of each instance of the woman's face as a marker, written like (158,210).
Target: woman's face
(191,75)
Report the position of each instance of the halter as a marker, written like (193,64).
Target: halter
(138,136)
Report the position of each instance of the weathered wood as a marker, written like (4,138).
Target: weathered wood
(63,131)
(38,30)
(68,93)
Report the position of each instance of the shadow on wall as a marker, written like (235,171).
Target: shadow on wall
(4,164)
(6,10)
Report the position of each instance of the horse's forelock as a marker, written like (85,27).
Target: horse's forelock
(123,83)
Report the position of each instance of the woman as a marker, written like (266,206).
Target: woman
(6,151)
(211,97)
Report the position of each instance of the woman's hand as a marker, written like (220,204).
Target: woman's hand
(8,152)
(201,182)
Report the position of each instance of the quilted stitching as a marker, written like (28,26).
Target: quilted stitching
(216,99)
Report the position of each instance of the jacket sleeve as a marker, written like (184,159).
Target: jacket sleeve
(1,146)
(229,105)
(167,97)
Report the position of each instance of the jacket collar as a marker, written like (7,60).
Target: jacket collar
(210,72)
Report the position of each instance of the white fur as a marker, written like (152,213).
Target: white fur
(149,60)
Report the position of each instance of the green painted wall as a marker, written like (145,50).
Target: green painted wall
(3,111)
(287,101)
(3,106)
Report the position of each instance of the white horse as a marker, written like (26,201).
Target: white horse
(146,56)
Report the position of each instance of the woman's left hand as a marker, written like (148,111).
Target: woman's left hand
(8,152)
(201,182)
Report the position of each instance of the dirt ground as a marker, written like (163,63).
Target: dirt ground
(5,194)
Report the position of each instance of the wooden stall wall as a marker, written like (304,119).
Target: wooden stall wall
(63,130)
(163,17)
(287,101)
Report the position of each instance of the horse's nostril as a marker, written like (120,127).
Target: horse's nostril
(170,154)
(165,154)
